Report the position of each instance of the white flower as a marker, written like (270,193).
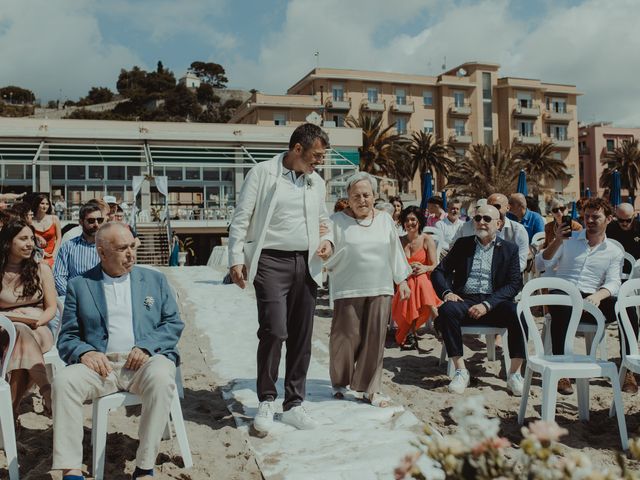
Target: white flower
(148,302)
(309,181)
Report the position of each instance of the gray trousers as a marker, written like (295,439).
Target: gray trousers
(286,296)
(356,345)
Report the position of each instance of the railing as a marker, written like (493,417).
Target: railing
(402,107)
(528,109)
(376,106)
(463,108)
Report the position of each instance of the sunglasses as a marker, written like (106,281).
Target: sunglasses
(486,218)
(497,206)
(91,221)
(558,209)
(625,220)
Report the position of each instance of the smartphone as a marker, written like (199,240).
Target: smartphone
(566,221)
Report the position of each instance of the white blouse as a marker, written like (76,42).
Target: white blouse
(368,257)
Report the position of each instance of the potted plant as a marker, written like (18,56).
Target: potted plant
(185,247)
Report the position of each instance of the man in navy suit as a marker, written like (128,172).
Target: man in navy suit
(120,329)
(478,281)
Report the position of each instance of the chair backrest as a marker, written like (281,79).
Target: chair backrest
(58,327)
(628,258)
(600,327)
(570,298)
(616,243)
(7,326)
(628,296)
(538,239)
(436,235)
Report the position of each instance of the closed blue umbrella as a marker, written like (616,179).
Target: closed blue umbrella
(427,190)
(587,192)
(444,199)
(522,183)
(574,211)
(616,195)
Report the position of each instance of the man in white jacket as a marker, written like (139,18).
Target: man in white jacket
(275,243)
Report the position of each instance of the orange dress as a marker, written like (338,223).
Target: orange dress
(415,311)
(50,236)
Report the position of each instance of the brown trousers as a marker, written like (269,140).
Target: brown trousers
(356,345)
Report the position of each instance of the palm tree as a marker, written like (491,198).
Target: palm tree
(540,165)
(625,159)
(381,147)
(488,169)
(429,154)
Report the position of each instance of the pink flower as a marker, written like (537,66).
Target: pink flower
(407,464)
(546,432)
(496,443)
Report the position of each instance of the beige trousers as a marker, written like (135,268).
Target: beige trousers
(75,384)
(356,345)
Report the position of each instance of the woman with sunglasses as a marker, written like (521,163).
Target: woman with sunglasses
(558,210)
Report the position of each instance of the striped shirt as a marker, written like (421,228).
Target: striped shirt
(479,280)
(75,257)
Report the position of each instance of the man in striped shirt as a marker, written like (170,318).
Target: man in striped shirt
(79,254)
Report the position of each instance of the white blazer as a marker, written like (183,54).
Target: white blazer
(254,210)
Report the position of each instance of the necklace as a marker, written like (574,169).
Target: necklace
(362,224)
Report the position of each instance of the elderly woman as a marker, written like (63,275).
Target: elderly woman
(558,209)
(369,259)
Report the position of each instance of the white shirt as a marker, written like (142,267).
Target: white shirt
(117,293)
(287,229)
(590,269)
(448,230)
(368,257)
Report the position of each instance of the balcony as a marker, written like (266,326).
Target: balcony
(562,142)
(527,110)
(560,115)
(460,137)
(377,106)
(339,104)
(529,139)
(402,107)
(460,110)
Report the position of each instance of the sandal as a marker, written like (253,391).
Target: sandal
(377,400)
(339,392)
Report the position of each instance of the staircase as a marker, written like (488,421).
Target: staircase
(154,249)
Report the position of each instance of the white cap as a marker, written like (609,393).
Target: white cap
(109,199)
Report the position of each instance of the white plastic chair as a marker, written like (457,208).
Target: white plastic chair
(7,432)
(616,243)
(52,360)
(538,239)
(588,330)
(490,339)
(554,367)
(628,296)
(628,258)
(436,234)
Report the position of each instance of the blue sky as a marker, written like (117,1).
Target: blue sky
(63,47)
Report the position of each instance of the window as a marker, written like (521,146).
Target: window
(338,120)
(427,126)
(427,98)
(488,136)
(192,173)
(372,95)
(525,99)
(557,132)
(57,172)
(458,98)
(14,172)
(401,125)
(486,85)
(115,173)
(76,172)
(401,96)
(338,93)
(458,125)
(96,172)
(132,171)
(525,127)
(611,144)
(173,173)
(211,174)
(279,119)
(557,105)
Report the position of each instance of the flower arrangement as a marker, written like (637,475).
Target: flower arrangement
(476,451)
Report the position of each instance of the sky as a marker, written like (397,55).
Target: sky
(61,48)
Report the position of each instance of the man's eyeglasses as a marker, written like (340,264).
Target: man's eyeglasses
(486,218)
(91,221)
(558,209)
(625,220)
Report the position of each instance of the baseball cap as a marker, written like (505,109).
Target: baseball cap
(109,199)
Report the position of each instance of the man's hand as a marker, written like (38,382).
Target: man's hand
(593,299)
(98,362)
(477,310)
(325,250)
(404,290)
(137,357)
(452,297)
(324,229)
(239,275)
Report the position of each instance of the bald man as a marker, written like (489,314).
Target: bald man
(478,280)
(626,230)
(530,220)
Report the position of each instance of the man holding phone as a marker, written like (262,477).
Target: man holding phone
(594,265)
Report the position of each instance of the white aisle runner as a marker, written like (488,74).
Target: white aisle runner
(355,441)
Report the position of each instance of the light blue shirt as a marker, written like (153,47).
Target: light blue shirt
(75,257)
(532,222)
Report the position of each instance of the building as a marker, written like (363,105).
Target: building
(465,105)
(595,142)
(190,80)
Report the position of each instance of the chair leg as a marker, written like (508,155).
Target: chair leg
(181,432)
(546,335)
(617,402)
(588,342)
(443,354)
(623,372)
(451,369)
(99,438)
(8,434)
(549,396)
(505,354)
(525,395)
(491,347)
(582,385)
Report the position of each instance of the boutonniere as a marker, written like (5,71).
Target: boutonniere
(309,181)
(148,302)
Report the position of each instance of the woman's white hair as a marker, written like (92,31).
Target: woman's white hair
(360,176)
(557,202)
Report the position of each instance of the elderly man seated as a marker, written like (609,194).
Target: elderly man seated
(120,328)
(478,280)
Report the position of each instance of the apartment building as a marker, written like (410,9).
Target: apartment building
(465,105)
(595,142)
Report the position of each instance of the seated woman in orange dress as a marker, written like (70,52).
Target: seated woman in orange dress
(47,226)
(421,306)
(28,298)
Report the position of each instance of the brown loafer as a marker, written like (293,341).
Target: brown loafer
(630,385)
(564,386)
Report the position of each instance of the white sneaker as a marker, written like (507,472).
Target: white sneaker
(460,381)
(299,418)
(263,421)
(515,383)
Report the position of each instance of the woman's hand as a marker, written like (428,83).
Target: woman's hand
(404,290)
(419,269)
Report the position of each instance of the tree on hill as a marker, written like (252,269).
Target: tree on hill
(97,95)
(211,73)
(206,95)
(14,94)
(182,102)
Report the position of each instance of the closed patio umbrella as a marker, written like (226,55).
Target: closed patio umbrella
(616,195)
(427,190)
(522,183)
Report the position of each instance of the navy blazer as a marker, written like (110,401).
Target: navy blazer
(156,321)
(453,271)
